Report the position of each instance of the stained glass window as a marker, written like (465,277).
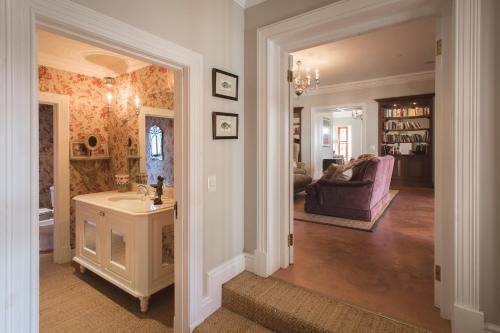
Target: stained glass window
(156,142)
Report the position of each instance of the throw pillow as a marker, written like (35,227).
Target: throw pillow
(330,171)
(344,175)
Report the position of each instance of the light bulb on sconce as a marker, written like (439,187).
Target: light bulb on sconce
(108,81)
(109,96)
(137,102)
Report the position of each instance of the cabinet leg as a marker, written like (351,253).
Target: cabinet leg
(82,269)
(144,303)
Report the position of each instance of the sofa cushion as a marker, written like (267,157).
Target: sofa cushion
(344,175)
(328,174)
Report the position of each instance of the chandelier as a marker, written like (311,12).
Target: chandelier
(302,80)
(357,114)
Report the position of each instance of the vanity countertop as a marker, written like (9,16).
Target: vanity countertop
(126,202)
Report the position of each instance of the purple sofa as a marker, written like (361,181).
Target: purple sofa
(358,199)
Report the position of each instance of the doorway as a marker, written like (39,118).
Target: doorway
(22,224)
(272,249)
(105,91)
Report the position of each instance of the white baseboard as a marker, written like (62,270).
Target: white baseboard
(215,279)
(465,320)
(249,262)
(260,264)
(489,327)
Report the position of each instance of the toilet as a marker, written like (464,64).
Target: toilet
(46,218)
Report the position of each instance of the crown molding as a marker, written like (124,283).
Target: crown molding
(372,83)
(248,3)
(64,64)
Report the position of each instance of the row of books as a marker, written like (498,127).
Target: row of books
(401,125)
(407,112)
(394,150)
(400,138)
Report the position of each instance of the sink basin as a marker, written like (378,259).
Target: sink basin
(128,198)
(128,202)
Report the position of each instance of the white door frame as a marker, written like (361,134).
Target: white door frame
(460,289)
(149,111)
(60,104)
(19,253)
(317,169)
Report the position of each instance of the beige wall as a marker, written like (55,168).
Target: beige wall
(358,96)
(215,29)
(489,154)
(268,12)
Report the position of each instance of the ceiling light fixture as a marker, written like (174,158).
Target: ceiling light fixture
(357,114)
(302,80)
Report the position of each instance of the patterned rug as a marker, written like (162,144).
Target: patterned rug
(300,215)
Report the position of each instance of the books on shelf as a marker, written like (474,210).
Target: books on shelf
(398,112)
(401,138)
(420,149)
(402,125)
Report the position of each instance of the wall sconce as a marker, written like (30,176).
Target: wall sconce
(109,96)
(108,81)
(137,103)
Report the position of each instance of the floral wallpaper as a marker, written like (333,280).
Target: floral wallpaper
(46,153)
(154,86)
(89,115)
(165,167)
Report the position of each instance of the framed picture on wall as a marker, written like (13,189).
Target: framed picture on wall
(224,84)
(327,132)
(224,125)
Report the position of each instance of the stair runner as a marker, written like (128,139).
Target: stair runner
(254,304)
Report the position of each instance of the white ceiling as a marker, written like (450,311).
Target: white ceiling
(400,49)
(74,56)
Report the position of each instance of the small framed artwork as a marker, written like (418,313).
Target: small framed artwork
(224,125)
(224,84)
(79,149)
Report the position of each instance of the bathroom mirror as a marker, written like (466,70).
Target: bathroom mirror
(92,142)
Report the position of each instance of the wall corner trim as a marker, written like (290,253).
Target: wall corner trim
(248,3)
(467,320)
(489,327)
(215,279)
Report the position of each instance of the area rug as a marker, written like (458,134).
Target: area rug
(300,215)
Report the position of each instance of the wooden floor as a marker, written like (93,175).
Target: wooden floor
(389,270)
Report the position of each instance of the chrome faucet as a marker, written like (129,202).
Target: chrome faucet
(141,187)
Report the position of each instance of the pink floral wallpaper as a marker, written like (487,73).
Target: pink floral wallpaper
(154,86)
(165,167)
(89,115)
(46,153)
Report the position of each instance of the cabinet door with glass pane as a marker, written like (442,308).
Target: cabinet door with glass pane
(89,223)
(118,244)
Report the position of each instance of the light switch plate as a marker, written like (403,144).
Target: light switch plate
(212,184)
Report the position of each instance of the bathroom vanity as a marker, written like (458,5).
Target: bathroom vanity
(126,240)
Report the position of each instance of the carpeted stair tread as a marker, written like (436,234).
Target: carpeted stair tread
(283,307)
(225,321)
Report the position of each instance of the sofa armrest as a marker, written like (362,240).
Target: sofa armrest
(343,183)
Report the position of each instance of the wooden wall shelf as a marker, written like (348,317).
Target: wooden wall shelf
(90,158)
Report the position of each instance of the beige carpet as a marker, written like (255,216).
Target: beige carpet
(300,215)
(75,302)
(283,307)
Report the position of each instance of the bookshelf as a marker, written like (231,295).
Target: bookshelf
(297,130)
(406,132)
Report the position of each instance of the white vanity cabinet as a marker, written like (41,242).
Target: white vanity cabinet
(128,243)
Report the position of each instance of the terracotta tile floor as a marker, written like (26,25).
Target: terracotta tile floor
(389,270)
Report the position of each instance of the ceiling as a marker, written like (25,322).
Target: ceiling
(400,49)
(74,56)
